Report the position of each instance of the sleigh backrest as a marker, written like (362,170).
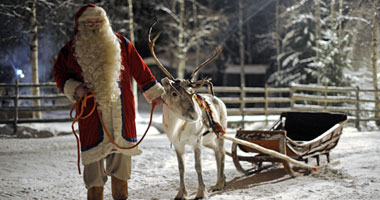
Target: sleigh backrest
(305,126)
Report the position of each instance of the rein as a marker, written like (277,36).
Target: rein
(79,106)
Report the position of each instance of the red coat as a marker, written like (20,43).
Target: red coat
(90,129)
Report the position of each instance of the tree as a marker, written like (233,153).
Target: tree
(28,21)
(34,54)
(185,31)
(313,50)
(331,59)
(241,44)
(297,46)
(374,55)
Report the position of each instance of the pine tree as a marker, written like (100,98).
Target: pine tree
(331,61)
(297,43)
(310,56)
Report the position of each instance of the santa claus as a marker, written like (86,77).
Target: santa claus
(104,62)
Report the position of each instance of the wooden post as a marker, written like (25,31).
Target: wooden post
(15,117)
(242,105)
(357,112)
(325,102)
(266,104)
(292,91)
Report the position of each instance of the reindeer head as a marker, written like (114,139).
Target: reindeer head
(179,92)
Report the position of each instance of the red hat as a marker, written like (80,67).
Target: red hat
(79,13)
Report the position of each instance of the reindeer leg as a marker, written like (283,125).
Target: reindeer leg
(202,193)
(219,158)
(182,193)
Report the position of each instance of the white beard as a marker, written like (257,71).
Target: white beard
(98,54)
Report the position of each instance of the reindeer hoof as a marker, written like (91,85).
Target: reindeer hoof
(218,187)
(181,198)
(202,195)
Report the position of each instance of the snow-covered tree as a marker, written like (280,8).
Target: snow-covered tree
(26,22)
(328,66)
(183,31)
(310,56)
(297,46)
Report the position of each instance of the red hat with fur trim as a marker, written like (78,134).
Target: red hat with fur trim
(86,12)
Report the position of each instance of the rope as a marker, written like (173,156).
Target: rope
(79,106)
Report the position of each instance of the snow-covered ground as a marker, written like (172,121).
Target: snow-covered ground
(45,168)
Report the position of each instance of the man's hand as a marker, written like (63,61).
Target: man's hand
(81,91)
(157,101)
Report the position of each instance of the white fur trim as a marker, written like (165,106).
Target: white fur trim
(69,88)
(113,122)
(104,149)
(154,92)
(92,12)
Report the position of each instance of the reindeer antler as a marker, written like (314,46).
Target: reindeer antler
(199,84)
(217,51)
(151,47)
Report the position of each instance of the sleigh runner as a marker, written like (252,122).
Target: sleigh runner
(298,135)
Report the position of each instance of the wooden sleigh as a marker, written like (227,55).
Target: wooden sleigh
(299,135)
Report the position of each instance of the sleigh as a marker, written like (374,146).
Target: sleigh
(298,135)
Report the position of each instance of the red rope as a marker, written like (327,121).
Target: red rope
(79,106)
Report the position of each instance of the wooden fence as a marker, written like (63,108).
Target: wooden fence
(357,103)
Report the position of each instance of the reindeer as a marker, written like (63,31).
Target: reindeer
(186,123)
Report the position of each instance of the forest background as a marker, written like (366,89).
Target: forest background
(326,42)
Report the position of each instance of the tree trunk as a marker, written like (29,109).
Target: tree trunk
(277,36)
(197,47)
(34,56)
(241,44)
(318,35)
(132,39)
(333,16)
(340,25)
(318,25)
(181,54)
(374,58)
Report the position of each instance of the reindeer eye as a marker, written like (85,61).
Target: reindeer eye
(174,94)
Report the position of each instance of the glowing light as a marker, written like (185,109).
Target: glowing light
(20,73)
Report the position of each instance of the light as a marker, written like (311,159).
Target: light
(19,73)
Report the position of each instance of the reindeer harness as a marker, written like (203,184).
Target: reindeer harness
(204,105)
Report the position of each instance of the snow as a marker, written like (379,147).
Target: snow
(45,168)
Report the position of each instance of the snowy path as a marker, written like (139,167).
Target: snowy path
(46,169)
